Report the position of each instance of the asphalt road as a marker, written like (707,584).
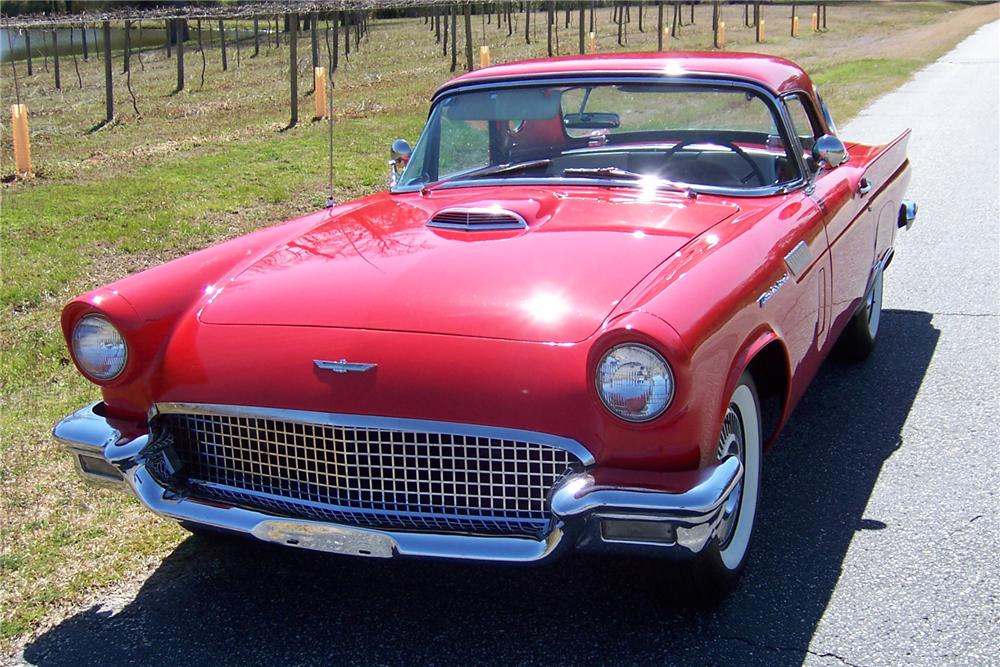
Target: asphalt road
(878,540)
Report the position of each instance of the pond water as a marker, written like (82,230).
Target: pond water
(13,41)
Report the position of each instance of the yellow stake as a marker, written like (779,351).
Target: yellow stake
(484,56)
(22,139)
(795,26)
(815,22)
(592,43)
(666,39)
(319,86)
(722,34)
(762,35)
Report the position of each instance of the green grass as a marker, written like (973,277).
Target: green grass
(208,164)
(848,81)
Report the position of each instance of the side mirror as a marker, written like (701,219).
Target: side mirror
(828,151)
(400,152)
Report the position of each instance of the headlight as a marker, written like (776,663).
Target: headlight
(635,382)
(98,348)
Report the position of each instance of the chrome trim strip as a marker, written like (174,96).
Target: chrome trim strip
(388,423)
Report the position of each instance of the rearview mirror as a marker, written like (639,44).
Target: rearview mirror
(400,153)
(828,151)
(591,121)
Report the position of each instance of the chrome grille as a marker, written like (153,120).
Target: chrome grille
(369,476)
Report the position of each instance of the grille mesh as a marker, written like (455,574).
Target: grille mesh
(372,477)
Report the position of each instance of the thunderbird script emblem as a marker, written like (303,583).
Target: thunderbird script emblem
(343,366)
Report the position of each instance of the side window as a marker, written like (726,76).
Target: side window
(802,123)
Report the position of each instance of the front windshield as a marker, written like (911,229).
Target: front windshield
(696,134)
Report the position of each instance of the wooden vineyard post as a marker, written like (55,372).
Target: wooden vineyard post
(222,45)
(293,67)
(314,36)
(795,25)
(179,31)
(335,49)
(55,59)
(319,85)
(592,42)
(22,140)
(109,93)
(549,18)
(467,14)
(126,60)
(659,26)
(761,35)
(582,30)
(454,38)
(484,56)
(722,34)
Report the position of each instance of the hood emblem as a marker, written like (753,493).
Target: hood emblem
(343,366)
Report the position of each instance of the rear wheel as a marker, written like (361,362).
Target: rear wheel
(858,339)
(715,573)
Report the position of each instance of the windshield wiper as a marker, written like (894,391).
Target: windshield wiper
(509,168)
(494,170)
(614,173)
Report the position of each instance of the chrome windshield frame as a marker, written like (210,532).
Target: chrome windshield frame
(770,99)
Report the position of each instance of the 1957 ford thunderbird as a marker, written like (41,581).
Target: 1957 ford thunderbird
(591,297)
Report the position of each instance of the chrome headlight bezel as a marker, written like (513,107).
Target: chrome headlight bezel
(104,327)
(664,370)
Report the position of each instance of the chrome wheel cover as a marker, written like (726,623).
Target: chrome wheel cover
(873,306)
(731,443)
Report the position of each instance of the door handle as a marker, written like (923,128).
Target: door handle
(865,186)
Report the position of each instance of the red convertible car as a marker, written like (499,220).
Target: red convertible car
(588,303)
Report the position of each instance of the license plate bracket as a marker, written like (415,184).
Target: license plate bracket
(326,537)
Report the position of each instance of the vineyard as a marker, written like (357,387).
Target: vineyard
(107,54)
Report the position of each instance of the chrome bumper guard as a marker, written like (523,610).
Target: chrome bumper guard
(907,213)
(585,516)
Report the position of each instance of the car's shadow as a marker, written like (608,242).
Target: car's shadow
(243,603)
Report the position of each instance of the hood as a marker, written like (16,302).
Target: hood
(380,266)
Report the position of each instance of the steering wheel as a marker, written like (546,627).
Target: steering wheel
(731,146)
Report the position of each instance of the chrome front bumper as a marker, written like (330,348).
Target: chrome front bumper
(585,516)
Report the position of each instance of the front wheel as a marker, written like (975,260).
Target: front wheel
(716,571)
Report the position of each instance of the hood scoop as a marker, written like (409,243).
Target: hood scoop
(477,219)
